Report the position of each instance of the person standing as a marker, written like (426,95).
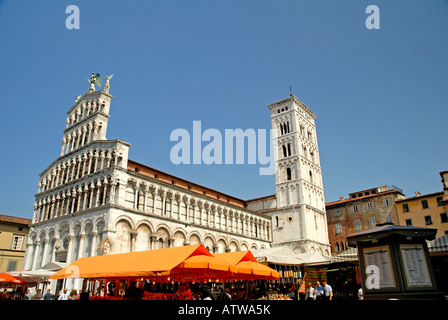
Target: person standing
(186,294)
(328,291)
(309,293)
(28,295)
(205,293)
(360,294)
(318,291)
(38,295)
(48,295)
(64,295)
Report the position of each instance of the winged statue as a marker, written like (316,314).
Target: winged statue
(95,79)
(106,85)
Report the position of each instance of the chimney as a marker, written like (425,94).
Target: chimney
(341,198)
(417,193)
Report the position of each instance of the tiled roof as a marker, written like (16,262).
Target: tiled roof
(4,218)
(361,198)
(435,194)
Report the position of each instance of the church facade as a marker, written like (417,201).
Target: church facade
(94,200)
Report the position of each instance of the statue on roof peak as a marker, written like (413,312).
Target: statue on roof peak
(95,79)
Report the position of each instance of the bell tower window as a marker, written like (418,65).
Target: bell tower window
(288,174)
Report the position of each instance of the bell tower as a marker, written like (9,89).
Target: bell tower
(86,121)
(300,219)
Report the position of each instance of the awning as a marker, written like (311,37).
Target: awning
(202,263)
(439,244)
(236,257)
(286,256)
(36,276)
(346,255)
(8,278)
(54,265)
(313,259)
(248,268)
(152,263)
(277,255)
(40,275)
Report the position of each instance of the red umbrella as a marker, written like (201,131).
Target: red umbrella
(7,278)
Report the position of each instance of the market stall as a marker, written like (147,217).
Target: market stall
(438,251)
(13,287)
(131,274)
(291,266)
(249,269)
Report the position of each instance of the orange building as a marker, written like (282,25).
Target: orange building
(13,235)
(428,210)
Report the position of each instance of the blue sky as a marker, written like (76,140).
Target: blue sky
(380,96)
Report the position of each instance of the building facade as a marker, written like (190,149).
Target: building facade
(93,200)
(13,237)
(298,207)
(362,210)
(428,210)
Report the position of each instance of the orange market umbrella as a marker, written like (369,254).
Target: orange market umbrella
(236,257)
(251,270)
(206,262)
(202,268)
(248,267)
(7,278)
(151,263)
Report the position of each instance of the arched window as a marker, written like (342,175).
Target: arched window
(284,151)
(138,199)
(288,174)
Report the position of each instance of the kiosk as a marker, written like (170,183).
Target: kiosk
(394,262)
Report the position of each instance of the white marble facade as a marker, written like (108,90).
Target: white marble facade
(93,200)
(90,203)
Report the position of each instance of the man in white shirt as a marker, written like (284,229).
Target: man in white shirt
(328,291)
(64,295)
(28,295)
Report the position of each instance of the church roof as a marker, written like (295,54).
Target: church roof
(150,172)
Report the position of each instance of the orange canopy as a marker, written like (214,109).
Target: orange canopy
(248,267)
(236,257)
(205,262)
(7,278)
(202,268)
(152,263)
(254,270)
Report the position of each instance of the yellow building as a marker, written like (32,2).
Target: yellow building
(428,210)
(13,234)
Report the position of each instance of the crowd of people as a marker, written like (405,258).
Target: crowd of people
(195,291)
(185,291)
(319,292)
(63,295)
